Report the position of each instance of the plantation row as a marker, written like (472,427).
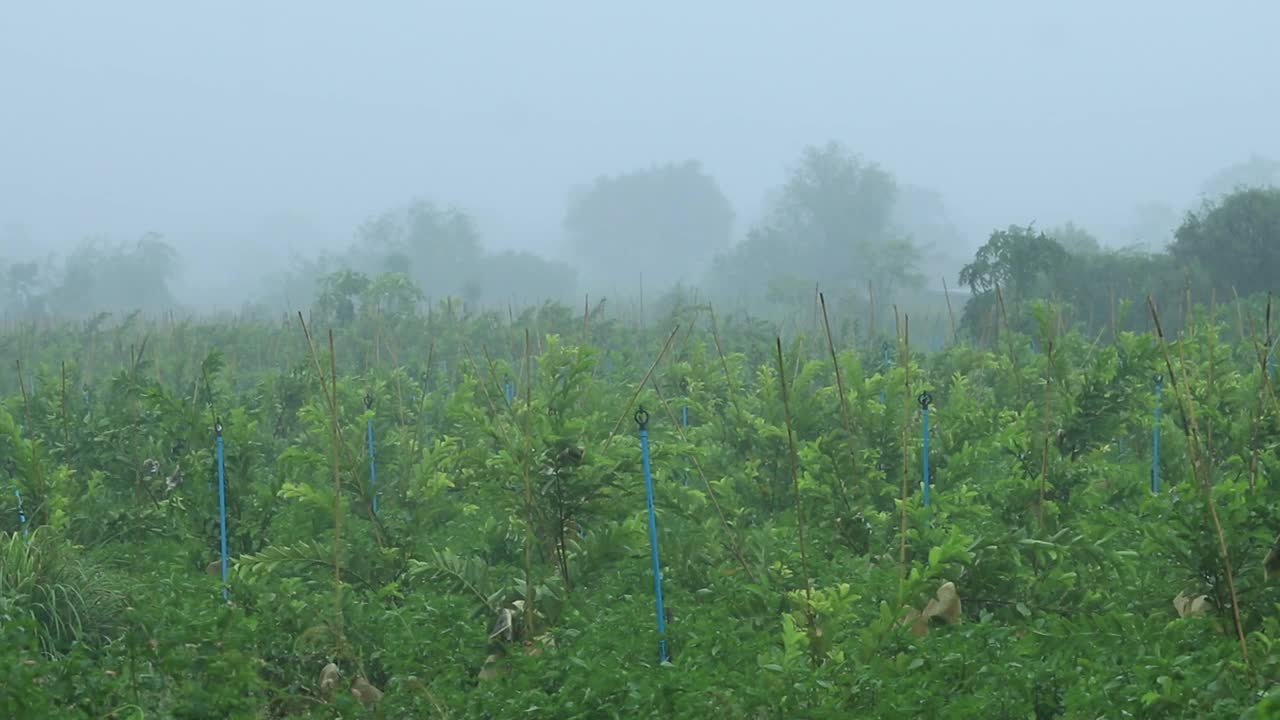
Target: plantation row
(446,516)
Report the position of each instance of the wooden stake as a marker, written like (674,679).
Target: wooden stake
(947,293)
(643,381)
(1201,473)
(795,481)
(845,415)
(904,359)
(529,591)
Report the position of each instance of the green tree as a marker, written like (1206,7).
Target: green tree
(1075,239)
(19,289)
(1021,261)
(392,295)
(99,277)
(921,214)
(1258,171)
(338,292)
(833,223)
(1016,259)
(662,221)
(526,279)
(1236,240)
(439,248)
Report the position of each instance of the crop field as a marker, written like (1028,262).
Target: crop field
(443,514)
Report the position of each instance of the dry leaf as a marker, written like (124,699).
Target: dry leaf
(947,604)
(1271,565)
(919,626)
(492,668)
(1188,607)
(328,679)
(364,692)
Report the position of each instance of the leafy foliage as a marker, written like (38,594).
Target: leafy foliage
(1064,564)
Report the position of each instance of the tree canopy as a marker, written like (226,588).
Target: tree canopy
(665,221)
(1236,240)
(833,224)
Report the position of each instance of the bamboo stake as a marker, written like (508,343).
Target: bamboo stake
(1013,351)
(734,546)
(1201,473)
(643,381)
(529,591)
(337,492)
(905,361)
(43,508)
(724,364)
(795,481)
(1048,401)
(66,426)
(330,395)
(947,294)
(1213,347)
(845,415)
(871,313)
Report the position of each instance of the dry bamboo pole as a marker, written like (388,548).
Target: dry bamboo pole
(529,591)
(950,314)
(330,395)
(1044,428)
(845,415)
(640,387)
(43,508)
(66,425)
(1201,472)
(724,363)
(904,359)
(1213,347)
(734,545)
(1013,351)
(795,482)
(337,493)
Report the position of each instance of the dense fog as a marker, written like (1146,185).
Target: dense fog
(235,155)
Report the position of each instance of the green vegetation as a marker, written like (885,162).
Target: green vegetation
(506,571)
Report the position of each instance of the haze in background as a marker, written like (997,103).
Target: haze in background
(245,132)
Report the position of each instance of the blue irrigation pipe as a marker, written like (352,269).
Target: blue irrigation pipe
(925,400)
(373,473)
(22,514)
(222,506)
(1155,439)
(642,419)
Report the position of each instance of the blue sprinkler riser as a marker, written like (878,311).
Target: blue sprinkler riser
(653,546)
(22,514)
(924,453)
(222,513)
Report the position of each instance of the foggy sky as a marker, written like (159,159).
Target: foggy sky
(225,125)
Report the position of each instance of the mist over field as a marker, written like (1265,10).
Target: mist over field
(255,139)
(659,359)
